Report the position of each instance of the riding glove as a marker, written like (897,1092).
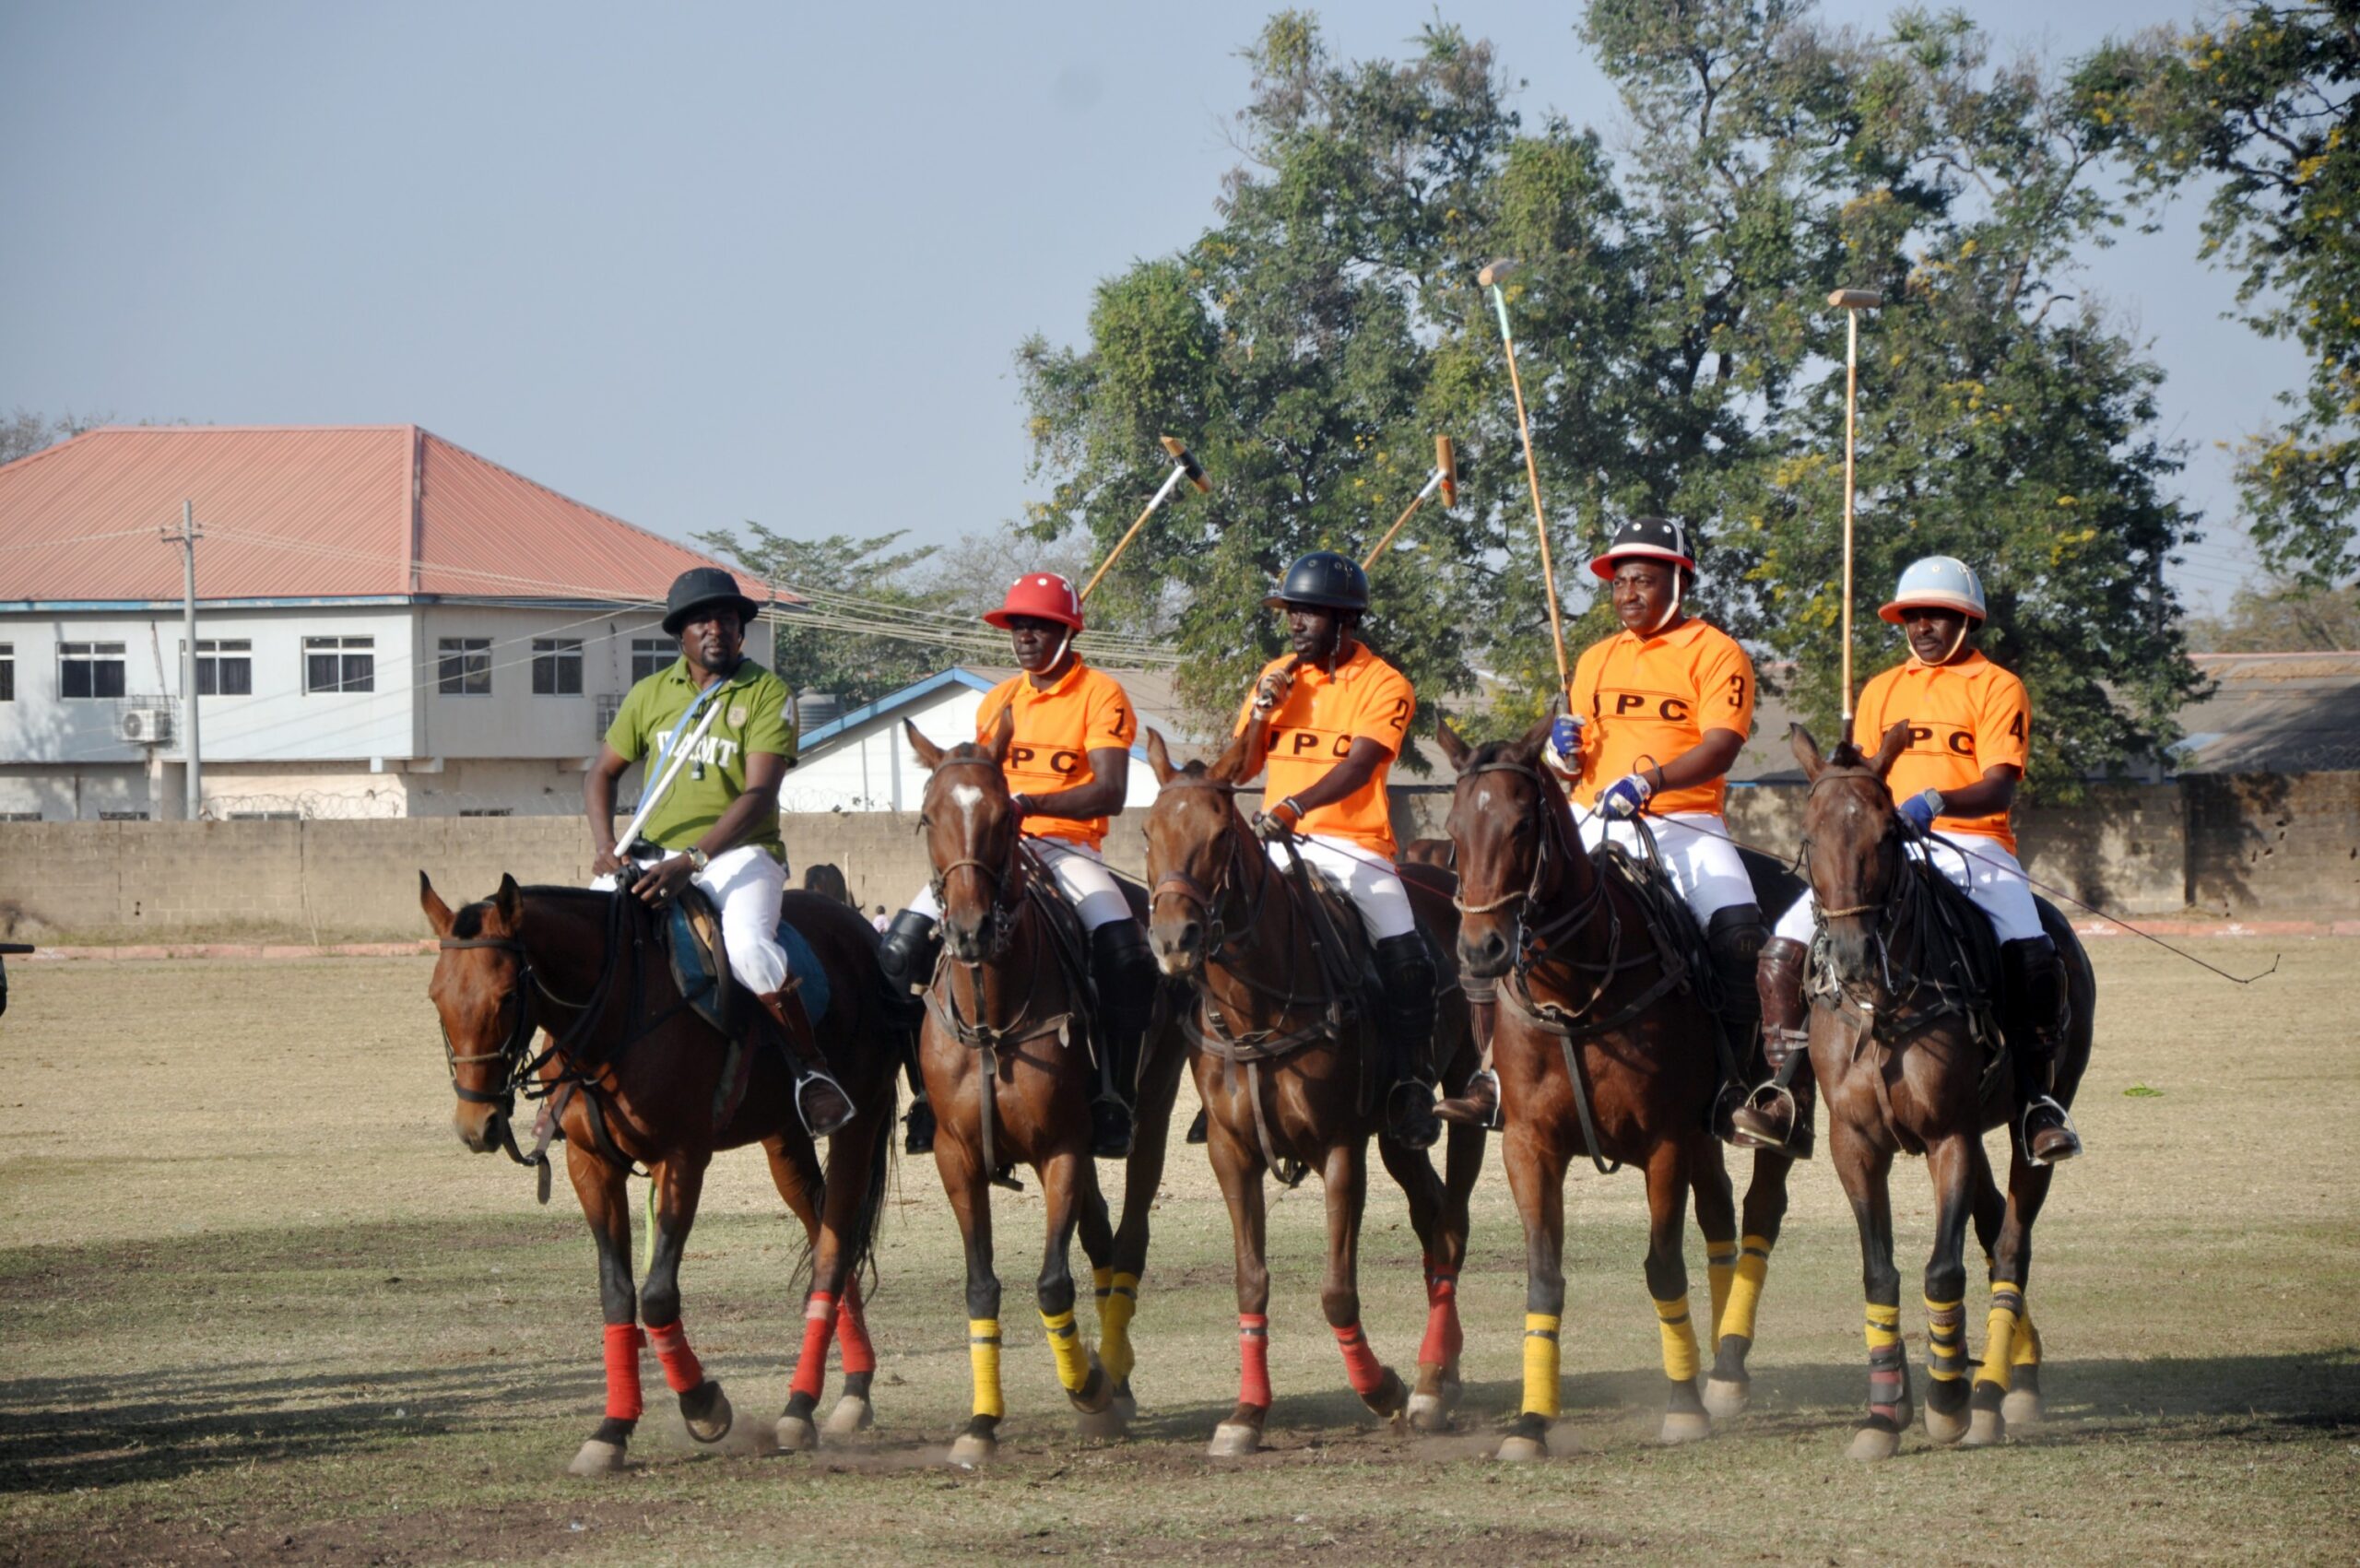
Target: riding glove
(1922,808)
(1566,743)
(1625,797)
(1278,822)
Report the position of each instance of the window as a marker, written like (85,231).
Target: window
(557,666)
(651,656)
(487,811)
(339,663)
(19,816)
(89,669)
(123,816)
(224,668)
(466,667)
(266,816)
(7,672)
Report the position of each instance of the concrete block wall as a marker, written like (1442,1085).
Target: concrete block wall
(2279,843)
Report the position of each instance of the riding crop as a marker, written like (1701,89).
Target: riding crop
(1851,301)
(1444,479)
(1490,278)
(1184,466)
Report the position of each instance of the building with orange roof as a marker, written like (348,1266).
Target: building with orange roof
(388,625)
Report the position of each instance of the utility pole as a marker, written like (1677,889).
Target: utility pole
(188,536)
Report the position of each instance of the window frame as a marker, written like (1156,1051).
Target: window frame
(663,652)
(91,655)
(551,658)
(463,652)
(7,672)
(235,650)
(343,648)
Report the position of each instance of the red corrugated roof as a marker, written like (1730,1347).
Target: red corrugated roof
(295,512)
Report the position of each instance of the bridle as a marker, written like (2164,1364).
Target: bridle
(1885,905)
(1532,936)
(1227,883)
(1006,879)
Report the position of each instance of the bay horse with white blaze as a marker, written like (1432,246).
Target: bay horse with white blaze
(1900,990)
(634,1077)
(1001,1051)
(1284,1054)
(1604,1046)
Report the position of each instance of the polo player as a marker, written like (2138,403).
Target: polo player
(717,825)
(1337,715)
(1068,769)
(1970,727)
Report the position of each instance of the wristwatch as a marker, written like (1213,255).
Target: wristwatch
(698,859)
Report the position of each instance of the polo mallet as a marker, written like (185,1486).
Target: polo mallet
(1851,301)
(1444,479)
(1490,278)
(1184,466)
(649,798)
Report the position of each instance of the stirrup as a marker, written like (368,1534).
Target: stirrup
(1465,1110)
(1768,1093)
(2065,1124)
(811,1078)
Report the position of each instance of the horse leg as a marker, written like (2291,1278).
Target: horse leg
(1685,1419)
(1536,1180)
(794,1171)
(847,1216)
(967,1185)
(1095,1226)
(1865,1170)
(1728,1388)
(2011,1345)
(1065,1187)
(2023,1405)
(1953,1169)
(1765,1212)
(1346,1180)
(1117,1285)
(605,1193)
(1239,1171)
(679,1182)
(1437,1390)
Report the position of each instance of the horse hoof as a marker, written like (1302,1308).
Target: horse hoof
(2023,1407)
(1235,1440)
(1726,1400)
(973,1448)
(1684,1426)
(795,1434)
(1945,1428)
(1873,1442)
(1522,1450)
(597,1458)
(713,1424)
(1985,1429)
(1428,1414)
(1123,1402)
(1108,1424)
(852,1416)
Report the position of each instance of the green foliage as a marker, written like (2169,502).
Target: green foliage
(2263,101)
(835,645)
(2286,618)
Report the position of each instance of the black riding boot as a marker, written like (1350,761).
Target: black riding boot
(1123,968)
(1778,1117)
(1408,975)
(2038,1009)
(1734,936)
(907,953)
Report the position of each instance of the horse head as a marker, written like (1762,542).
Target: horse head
(1500,823)
(1851,843)
(970,830)
(1196,847)
(480,991)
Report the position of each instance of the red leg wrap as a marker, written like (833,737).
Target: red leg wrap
(681,1370)
(1444,1338)
(852,1333)
(819,1326)
(1254,1359)
(624,1341)
(1361,1366)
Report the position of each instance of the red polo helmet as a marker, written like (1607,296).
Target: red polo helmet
(1042,594)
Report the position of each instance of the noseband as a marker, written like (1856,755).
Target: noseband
(511,1049)
(1802,855)
(1211,901)
(1532,936)
(1007,884)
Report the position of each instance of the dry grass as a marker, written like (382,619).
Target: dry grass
(256,1303)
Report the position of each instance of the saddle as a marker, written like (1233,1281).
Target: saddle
(1956,967)
(1682,937)
(699,962)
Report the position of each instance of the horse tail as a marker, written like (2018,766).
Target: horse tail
(860,1245)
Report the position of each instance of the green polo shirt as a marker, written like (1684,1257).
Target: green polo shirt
(753,718)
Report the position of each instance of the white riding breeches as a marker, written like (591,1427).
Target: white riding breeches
(1081,874)
(745,885)
(1363,875)
(1980,868)
(1704,864)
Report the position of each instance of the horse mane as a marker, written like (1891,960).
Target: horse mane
(467,919)
(1847,755)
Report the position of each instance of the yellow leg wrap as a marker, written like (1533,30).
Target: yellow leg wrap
(1540,1364)
(1116,1303)
(1720,1268)
(1999,1334)
(1883,1330)
(2026,1351)
(1745,1294)
(982,1354)
(1064,1343)
(1679,1339)
(1945,1341)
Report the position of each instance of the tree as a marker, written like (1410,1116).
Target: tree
(2285,617)
(860,634)
(24,432)
(2263,101)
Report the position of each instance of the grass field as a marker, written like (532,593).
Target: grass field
(256,1304)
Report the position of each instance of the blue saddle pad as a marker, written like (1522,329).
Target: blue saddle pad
(692,967)
(804,965)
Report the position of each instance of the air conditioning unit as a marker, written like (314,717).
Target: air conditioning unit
(145,726)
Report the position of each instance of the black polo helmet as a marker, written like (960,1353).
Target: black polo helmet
(699,586)
(1325,580)
(1653,538)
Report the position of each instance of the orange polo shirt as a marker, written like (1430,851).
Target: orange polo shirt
(1314,730)
(1650,698)
(1964,717)
(1083,711)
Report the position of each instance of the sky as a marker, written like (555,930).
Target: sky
(700,263)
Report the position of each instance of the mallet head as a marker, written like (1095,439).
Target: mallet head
(1856,298)
(1447,463)
(1195,470)
(1491,274)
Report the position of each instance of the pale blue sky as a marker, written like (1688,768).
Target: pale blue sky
(696,264)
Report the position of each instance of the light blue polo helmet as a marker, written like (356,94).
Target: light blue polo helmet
(1939,580)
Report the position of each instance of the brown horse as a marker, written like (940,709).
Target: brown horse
(1604,1046)
(1001,1053)
(1284,1073)
(1897,1045)
(631,1075)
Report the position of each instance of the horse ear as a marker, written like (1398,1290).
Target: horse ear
(438,914)
(510,901)
(1533,739)
(929,754)
(1003,735)
(1806,753)
(1159,757)
(1230,766)
(1453,747)
(1897,741)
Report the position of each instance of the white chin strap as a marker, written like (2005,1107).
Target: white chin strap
(1679,587)
(1063,644)
(1952,651)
